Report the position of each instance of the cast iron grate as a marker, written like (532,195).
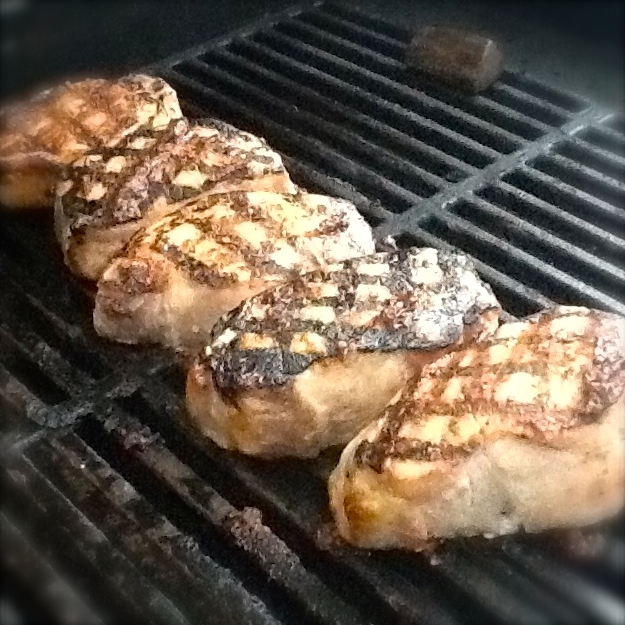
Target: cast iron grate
(124,513)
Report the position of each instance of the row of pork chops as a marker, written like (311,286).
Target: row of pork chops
(455,424)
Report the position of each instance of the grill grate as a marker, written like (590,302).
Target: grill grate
(117,502)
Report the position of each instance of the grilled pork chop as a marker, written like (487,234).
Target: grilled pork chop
(40,137)
(307,364)
(523,431)
(176,278)
(106,197)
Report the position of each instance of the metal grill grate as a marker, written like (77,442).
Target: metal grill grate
(117,502)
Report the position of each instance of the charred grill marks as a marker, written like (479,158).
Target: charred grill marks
(408,300)
(591,354)
(150,165)
(226,233)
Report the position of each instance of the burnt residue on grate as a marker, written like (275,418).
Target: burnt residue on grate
(50,352)
(152,523)
(292,498)
(249,532)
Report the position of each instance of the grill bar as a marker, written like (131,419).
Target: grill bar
(95,395)
(306,123)
(592,156)
(590,600)
(18,357)
(550,217)
(538,604)
(514,229)
(308,177)
(437,139)
(168,557)
(605,138)
(65,380)
(393,47)
(15,398)
(54,300)
(603,187)
(526,267)
(473,127)
(285,568)
(596,209)
(332,163)
(85,545)
(375,24)
(305,173)
(547,93)
(125,535)
(506,103)
(617,123)
(392,65)
(63,307)
(540,187)
(504,92)
(308,98)
(593,178)
(20,560)
(494,171)
(246,30)
(350,142)
(258,542)
(15,336)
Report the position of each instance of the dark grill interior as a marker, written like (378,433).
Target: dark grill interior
(115,501)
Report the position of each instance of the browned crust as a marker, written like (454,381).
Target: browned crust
(416,503)
(301,419)
(219,250)
(84,116)
(234,258)
(417,299)
(602,373)
(133,278)
(122,184)
(605,380)
(57,126)
(89,251)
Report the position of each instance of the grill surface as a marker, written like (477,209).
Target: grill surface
(120,512)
